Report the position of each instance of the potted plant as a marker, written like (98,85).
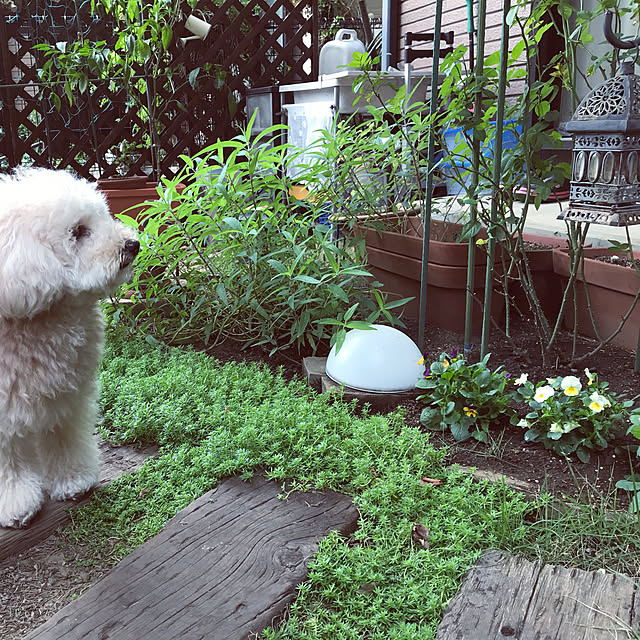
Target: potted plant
(375,177)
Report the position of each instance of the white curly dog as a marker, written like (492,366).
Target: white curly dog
(60,252)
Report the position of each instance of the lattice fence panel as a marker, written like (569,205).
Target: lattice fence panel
(105,131)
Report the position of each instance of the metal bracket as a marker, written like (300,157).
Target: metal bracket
(613,39)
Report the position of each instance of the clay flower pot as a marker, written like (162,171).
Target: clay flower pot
(545,282)
(612,289)
(133,191)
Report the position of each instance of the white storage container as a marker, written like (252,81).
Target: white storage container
(339,51)
(306,121)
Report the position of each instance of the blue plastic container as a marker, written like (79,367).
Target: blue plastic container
(510,135)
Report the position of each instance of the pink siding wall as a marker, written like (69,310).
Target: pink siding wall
(418,16)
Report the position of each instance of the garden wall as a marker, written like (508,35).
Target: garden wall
(104,131)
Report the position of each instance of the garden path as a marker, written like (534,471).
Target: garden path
(224,567)
(54,515)
(504,596)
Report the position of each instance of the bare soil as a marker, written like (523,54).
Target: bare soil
(37,583)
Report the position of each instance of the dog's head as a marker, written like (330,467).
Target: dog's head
(57,240)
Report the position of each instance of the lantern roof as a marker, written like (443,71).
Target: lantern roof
(612,107)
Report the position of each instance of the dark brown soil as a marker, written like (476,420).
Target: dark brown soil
(35,584)
(621,261)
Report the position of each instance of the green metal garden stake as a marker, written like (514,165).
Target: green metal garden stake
(477,69)
(497,171)
(428,195)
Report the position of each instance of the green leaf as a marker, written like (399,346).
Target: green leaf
(222,293)
(628,485)
(583,454)
(233,223)
(277,265)
(427,383)
(460,432)
(430,417)
(360,324)
(340,336)
(193,77)
(307,279)
(338,292)
(350,311)
(166,36)
(331,321)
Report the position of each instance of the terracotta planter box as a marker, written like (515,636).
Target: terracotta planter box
(612,289)
(547,286)
(395,259)
(122,193)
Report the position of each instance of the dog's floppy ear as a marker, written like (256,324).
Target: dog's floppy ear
(31,277)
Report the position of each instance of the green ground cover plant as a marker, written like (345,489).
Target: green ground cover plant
(213,420)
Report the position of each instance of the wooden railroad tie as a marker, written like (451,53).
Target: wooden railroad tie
(224,567)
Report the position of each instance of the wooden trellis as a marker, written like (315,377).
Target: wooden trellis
(104,132)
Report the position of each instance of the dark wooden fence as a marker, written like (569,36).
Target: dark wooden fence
(106,131)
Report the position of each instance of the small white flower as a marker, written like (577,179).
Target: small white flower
(570,426)
(590,376)
(543,393)
(551,381)
(524,423)
(556,428)
(571,385)
(598,402)
(596,407)
(522,379)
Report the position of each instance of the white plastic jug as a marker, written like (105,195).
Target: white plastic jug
(339,51)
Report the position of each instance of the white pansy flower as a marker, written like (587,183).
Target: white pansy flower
(590,376)
(571,385)
(524,423)
(556,428)
(598,402)
(522,379)
(551,381)
(543,393)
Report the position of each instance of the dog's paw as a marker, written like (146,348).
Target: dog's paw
(72,486)
(19,504)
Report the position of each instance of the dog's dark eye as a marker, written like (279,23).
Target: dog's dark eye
(80,231)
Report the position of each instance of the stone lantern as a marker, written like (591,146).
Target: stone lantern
(605,181)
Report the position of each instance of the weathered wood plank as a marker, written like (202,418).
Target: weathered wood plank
(493,599)
(224,567)
(575,604)
(53,515)
(507,597)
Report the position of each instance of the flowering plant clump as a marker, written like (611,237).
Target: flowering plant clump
(569,417)
(462,397)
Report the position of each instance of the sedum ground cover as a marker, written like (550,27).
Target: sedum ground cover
(214,420)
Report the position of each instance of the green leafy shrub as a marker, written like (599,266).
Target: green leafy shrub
(567,417)
(234,255)
(463,397)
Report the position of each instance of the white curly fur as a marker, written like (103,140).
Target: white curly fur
(60,252)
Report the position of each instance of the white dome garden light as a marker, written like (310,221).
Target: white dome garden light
(383,360)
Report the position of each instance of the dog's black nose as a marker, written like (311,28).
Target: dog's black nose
(132,247)
(129,252)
